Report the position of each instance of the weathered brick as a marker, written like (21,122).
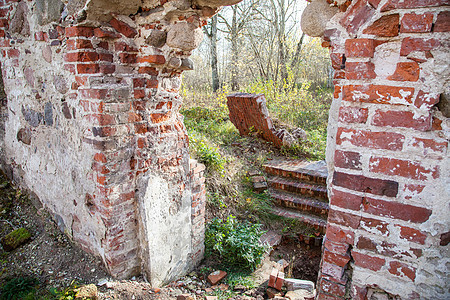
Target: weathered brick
(87,68)
(337,61)
(400,4)
(332,288)
(339,235)
(344,218)
(369,139)
(414,23)
(403,168)
(368,262)
(335,258)
(427,145)
(332,270)
(365,184)
(406,71)
(152,59)
(407,119)
(74,44)
(442,23)
(347,159)
(351,114)
(127,58)
(374,226)
(123,28)
(359,70)
(382,94)
(81,56)
(402,270)
(346,200)
(396,210)
(105,33)
(122,46)
(426,100)
(359,48)
(75,31)
(356,16)
(336,247)
(148,70)
(412,235)
(410,44)
(386,26)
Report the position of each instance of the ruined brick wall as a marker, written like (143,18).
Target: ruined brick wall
(387,153)
(92,125)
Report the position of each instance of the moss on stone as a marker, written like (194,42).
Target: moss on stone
(15,239)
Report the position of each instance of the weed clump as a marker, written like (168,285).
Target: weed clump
(236,243)
(18,288)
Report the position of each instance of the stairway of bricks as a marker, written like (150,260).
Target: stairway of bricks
(299,191)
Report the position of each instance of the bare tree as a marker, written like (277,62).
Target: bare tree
(212,36)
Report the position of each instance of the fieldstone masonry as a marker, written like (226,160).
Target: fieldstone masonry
(388,163)
(91,127)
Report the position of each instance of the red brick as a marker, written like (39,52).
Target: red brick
(360,70)
(332,288)
(417,44)
(346,200)
(337,61)
(430,144)
(442,23)
(101,119)
(280,280)
(79,44)
(406,71)
(139,94)
(413,23)
(347,160)
(412,235)
(396,210)
(104,33)
(81,57)
(386,249)
(365,184)
(358,292)
(12,53)
(152,59)
(108,57)
(122,46)
(386,26)
(404,168)
(94,93)
(153,84)
(335,258)
(338,74)
(356,15)
(359,48)
(87,68)
(351,114)
(148,70)
(140,128)
(426,100)
(382,94)
(402,270)
(107,68)
(40,36)
(371,225)
(411,191)
(339,235)
(100,157)
(368,262)
(139,82)
(369,139)
(401,4)
(158,118)
(332,270)
(79,31)
(127,58)
(123,28)
(344,219)
(335,247)
(407,119)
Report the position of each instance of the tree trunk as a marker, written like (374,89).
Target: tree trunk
(214,69)
(234,52)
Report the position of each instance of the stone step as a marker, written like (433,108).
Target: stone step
(315,222)
(314,172)
(301,188)
(305,204)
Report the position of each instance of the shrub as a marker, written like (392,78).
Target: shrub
(18,288)
(236,243)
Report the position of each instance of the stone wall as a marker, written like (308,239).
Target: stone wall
(91,125)
(388,226)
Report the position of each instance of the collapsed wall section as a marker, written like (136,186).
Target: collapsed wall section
(388,226)
(92,126)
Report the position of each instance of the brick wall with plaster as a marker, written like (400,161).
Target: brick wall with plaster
(388,226)
(92,127)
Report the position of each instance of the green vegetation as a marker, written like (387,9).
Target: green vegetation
(236,243)
(19,288)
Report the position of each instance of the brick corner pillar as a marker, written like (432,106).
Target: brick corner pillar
(388,226)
